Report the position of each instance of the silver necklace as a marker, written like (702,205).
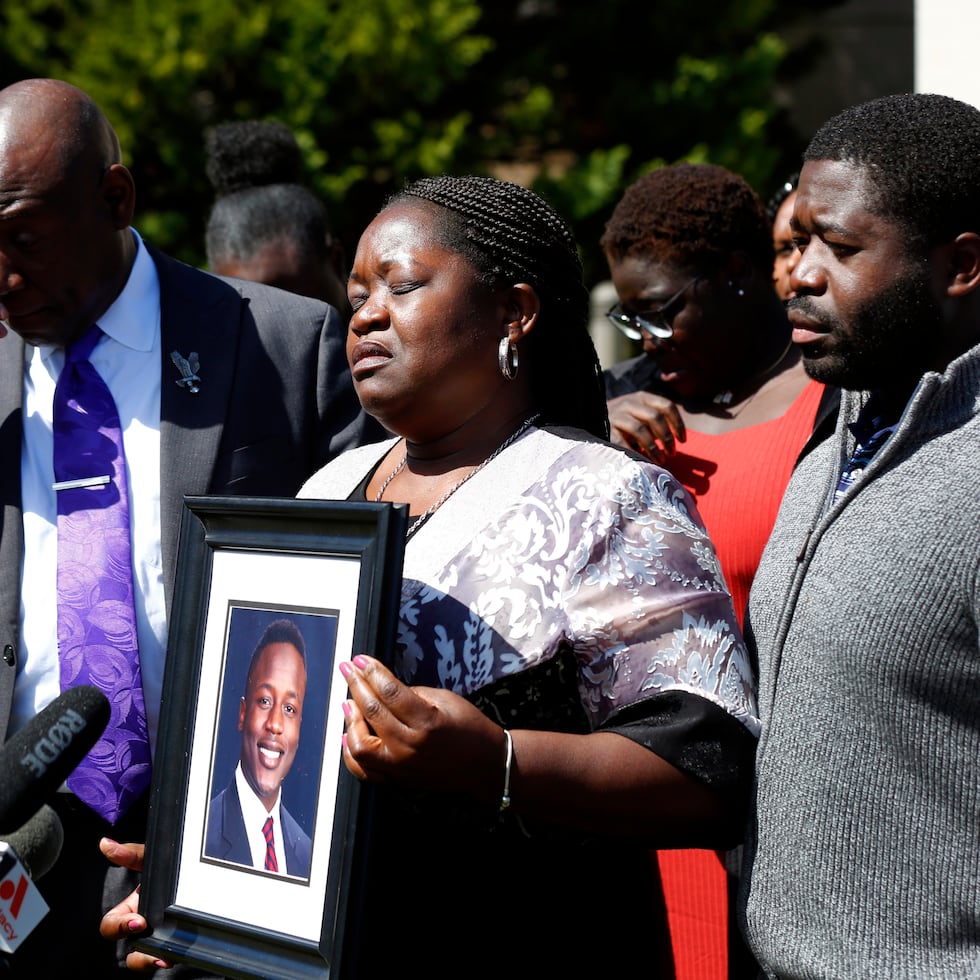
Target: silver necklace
(724,398)
(422,518)
(390,477)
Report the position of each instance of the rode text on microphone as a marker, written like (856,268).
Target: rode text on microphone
(36,760)
(48,748)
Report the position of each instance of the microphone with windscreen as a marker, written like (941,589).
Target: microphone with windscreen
(33,764)
(38,843)
(36,760)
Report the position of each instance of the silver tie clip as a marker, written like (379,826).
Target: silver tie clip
(85,481)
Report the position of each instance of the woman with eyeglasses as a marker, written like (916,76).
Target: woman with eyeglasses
(720,399)
(719,396)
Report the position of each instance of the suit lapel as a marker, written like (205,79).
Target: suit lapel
(205,321)
(233,827)
(11,424)
(11,525)
(288,844)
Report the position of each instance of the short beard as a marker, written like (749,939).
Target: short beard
(884,345)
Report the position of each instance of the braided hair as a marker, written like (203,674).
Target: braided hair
(509,234)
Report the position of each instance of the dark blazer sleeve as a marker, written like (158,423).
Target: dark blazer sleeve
(296,844)
(11,525)
(226,838)
(636,374)
(292,352)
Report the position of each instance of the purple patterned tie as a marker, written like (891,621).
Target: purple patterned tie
(96,620)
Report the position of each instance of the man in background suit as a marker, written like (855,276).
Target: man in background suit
(221,387)
(269,718)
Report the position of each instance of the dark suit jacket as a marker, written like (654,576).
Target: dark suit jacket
(226,837)
(275,402)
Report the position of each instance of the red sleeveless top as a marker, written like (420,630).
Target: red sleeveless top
(738,480)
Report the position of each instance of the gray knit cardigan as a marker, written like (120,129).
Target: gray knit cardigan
(863,856)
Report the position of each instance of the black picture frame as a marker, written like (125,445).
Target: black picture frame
(335,569)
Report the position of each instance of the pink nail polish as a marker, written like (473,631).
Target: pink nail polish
(345,668)
(360,660)
(347,710)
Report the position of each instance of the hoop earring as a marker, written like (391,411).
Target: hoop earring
(507,359)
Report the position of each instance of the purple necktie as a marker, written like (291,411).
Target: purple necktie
(96,620)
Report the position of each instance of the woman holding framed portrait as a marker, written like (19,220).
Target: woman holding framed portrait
(569,685)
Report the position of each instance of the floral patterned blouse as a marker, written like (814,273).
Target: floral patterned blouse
(565,546)
(567,586)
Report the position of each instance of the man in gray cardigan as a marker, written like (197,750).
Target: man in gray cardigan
(862,857)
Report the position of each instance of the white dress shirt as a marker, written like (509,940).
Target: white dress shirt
(128,359)
(255,815)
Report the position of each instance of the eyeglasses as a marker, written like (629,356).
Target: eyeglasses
(654,323)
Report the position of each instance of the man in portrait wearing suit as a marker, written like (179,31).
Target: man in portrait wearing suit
(220,386)
(247,821)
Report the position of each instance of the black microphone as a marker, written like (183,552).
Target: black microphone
(38,843)
(35,761)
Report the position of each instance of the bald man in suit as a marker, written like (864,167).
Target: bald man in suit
(222,386)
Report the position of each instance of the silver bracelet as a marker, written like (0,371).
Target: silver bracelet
(505,798)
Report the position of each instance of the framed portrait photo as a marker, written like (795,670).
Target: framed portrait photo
(253,823)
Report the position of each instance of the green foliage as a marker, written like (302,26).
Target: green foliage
(576,98)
